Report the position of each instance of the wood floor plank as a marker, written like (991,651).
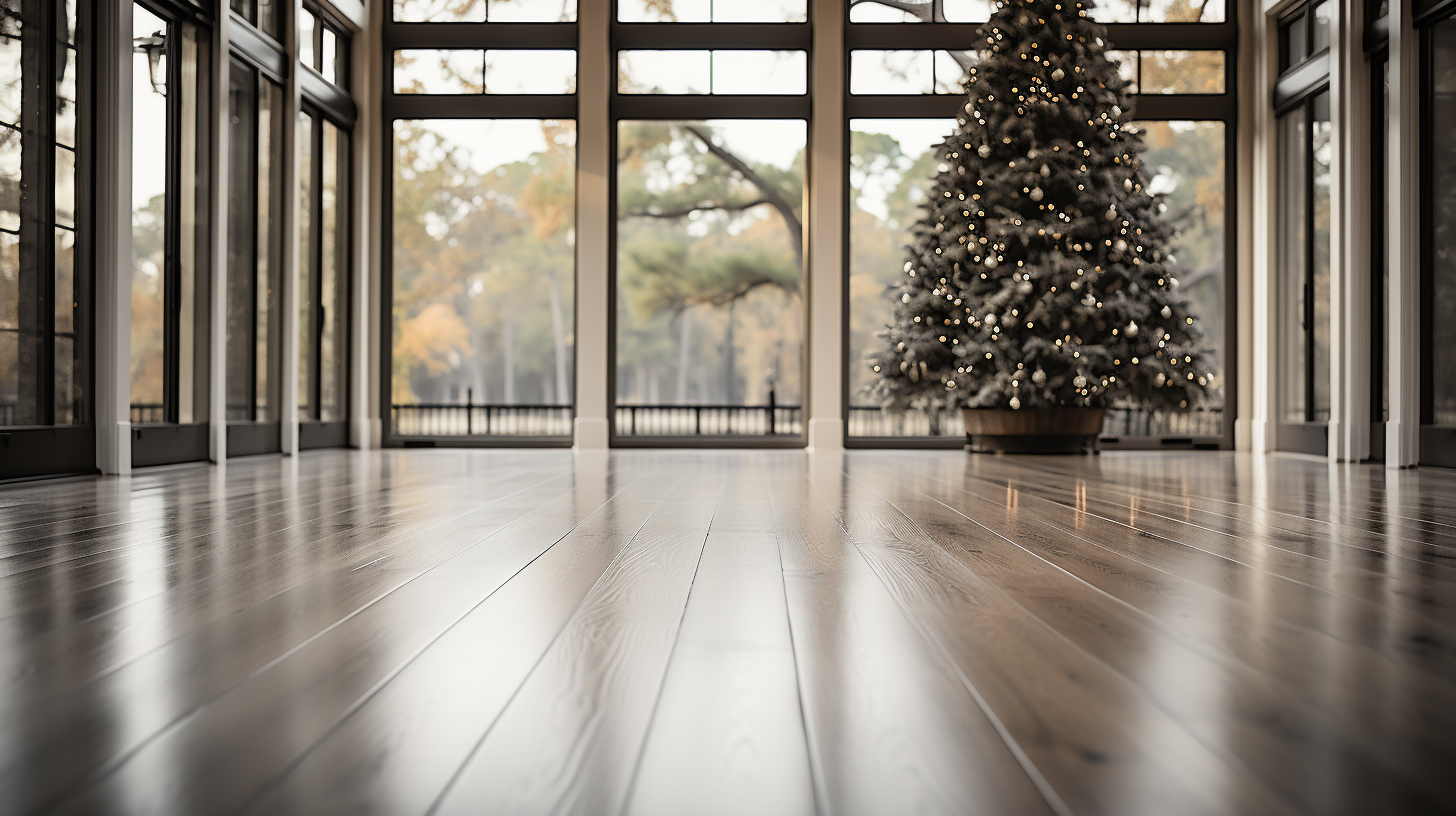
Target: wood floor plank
(322,680)
(215,657)
(727,734)
(1406,714)
(398,750)
(1102,746)
(693,631)
(1322,765)
(569,740)
(892,728)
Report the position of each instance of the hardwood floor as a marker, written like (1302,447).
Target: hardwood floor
(705,632)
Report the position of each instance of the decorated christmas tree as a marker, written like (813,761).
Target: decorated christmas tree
(1041,273)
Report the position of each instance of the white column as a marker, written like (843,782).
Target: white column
(594,166)
(824,279)
(217,323)
(1353,72)
(292,256)
(1260,378)
(112,219)
(1402,431)
(1340,63)
(1250,78)
(367,333)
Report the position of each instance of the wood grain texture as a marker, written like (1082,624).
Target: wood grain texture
(764,632)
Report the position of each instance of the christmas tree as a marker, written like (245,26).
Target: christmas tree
(1041,273)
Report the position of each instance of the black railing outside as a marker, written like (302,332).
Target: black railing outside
(710,420)
(8,412)
(872,421)
(438,419)
(148,412)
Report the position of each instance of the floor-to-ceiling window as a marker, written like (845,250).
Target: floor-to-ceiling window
(709,238)
(1438,301)
(323,138)
(906,64)
(1302,270)
(481,254)
(171,228)
(45,265)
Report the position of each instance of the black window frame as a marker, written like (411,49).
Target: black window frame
(45,448)
(399,36)
(660,36)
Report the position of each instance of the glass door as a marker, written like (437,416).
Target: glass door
(1438,301)
(323,288)
(171,110)
(255,251)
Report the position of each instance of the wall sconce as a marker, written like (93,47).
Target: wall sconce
(155,47)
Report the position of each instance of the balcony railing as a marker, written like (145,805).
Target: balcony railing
(710,420)
(147,412)
(440,419)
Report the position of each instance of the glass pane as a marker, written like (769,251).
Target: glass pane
(270,17)
(709,11)
(531,11)
(430,71)
(1320,37)
(244,8)
(242,246)
(1181,72)
(1159,11)
(307,266)
(149,229)
(1293,42)
(511,71)
(908,72)
(194,226)
(664,72)
(968,11)
(709,262)
(1292,320)
(268,322)
(329,59)
(1442,167)
(760,72)
(334,275)
(1184,162)
(307,27)
(891,162)
(918,11)
(478,11)
(18,372)
(483,269)
(439,11)
(715,72)
(1127,67)
(1321,159)
(891,72)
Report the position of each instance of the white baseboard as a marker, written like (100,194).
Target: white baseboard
(591,433)
(826,435)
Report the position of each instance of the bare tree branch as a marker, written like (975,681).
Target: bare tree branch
(771,193)
(682,212)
